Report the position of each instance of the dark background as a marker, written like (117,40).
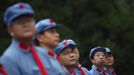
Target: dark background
(90,23)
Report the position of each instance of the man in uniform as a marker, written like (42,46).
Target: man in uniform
(48,38)
(22,57)
(109,62)
(97,56)
(79,68)
(69,56)
(65,51)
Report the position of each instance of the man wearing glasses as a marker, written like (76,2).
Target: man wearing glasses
(69,56)
(97,56)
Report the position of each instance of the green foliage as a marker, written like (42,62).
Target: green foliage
(90,23)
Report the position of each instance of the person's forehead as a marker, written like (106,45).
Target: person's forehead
(99,53)
(23,18)
(67,49)
(109,55)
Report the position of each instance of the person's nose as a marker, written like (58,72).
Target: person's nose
(72,54)
(57,34)
(101,56)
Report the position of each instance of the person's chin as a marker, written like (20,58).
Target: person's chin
(73,62)
(101,63)
(28,35)
(110,64)
(56,43)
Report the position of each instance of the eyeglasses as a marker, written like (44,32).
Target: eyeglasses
(98,55)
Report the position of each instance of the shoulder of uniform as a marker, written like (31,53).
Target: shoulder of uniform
(85,69)
(38,48)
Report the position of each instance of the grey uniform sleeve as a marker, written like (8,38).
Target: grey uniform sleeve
(10,66)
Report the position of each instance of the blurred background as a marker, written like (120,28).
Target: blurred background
(108,23)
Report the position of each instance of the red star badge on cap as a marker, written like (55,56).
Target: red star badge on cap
(51,22)
(65,43)
(21,6)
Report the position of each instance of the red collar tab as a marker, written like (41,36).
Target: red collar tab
(57,57)
(107,70)
(99,70)
(81,70)
(113,71)
(2,70)
(72,72)
(51,54)
(24,46)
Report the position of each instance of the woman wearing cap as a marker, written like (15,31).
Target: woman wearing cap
(97,56)
(48,38)
(109,62)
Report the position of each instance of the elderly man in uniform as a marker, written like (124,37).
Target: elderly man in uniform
(97,56)
(22,57)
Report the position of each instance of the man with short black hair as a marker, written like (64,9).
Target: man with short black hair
(97,56)
(47,38)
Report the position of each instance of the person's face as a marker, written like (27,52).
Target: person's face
(22,27)
(99,59)
(109,60)
(68,57)
(50,37)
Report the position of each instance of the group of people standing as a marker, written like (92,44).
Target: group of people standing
(35,48)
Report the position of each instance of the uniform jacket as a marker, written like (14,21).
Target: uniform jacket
(17,61)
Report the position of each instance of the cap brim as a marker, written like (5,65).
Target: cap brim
(19,15)
(57,26)
(70,45)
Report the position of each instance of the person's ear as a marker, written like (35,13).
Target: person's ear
(40,38)
(10,31)
(92,60)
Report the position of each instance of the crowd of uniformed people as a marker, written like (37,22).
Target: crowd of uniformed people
(35,48)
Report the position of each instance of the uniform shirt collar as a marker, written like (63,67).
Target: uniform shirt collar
(110,70)
(20,45)
(98,70)
(51,54)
